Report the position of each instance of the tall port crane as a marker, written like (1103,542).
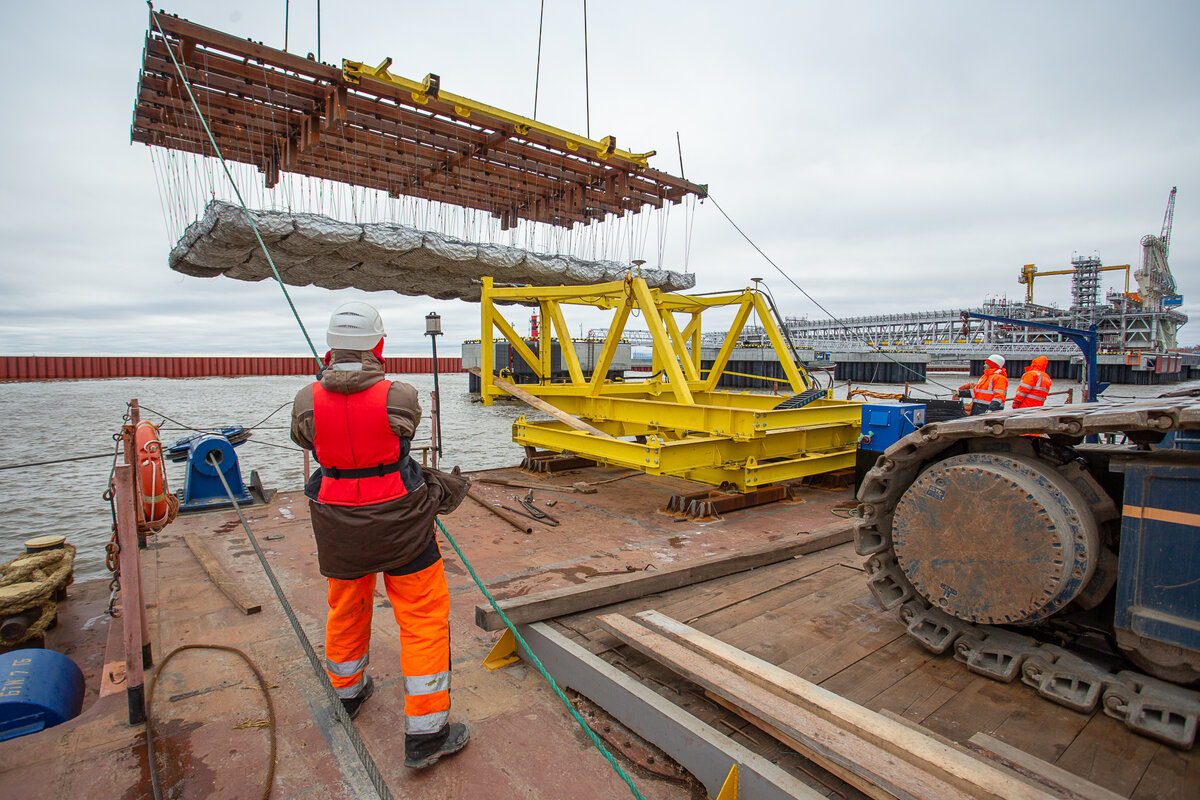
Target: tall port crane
(1156,284)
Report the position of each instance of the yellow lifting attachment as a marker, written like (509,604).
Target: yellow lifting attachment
(356,72)
(675,422)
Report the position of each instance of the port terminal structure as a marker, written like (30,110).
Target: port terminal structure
(674,422)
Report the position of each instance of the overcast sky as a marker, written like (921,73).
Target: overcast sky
(889,156)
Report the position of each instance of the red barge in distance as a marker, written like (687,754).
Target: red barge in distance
(44,368)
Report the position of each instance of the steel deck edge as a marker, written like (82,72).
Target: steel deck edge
(702,750)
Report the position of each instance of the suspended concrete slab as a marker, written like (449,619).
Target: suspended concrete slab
(310,249)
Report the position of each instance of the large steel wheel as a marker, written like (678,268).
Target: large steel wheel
(995,538)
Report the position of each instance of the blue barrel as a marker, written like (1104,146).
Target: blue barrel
(38,689)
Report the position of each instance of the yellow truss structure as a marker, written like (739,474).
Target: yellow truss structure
(675,422)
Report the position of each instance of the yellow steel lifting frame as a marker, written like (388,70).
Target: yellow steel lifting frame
(675,422)
(356,72)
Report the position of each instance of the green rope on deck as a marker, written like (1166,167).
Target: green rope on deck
(254,226)
(538,664)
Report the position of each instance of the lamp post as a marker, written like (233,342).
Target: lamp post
(433,329)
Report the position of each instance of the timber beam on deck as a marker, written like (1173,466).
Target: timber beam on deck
(361,125)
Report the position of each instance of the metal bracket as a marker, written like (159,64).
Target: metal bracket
(729,789)
(503,652)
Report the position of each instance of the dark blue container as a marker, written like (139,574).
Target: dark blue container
(38,689)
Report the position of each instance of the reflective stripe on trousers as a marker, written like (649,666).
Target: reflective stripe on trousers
(421,605)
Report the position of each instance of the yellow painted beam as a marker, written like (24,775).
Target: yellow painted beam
(679,345)
(784,455)
(736,422)
(662,343)
(545,346)
(615,329)
(486,346)
(422,93)
(722,359)
(565,342)
(692,333)
(519,345)
(794,372)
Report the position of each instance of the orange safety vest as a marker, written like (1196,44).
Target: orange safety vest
(993,385)
(359,453)
(1034,388)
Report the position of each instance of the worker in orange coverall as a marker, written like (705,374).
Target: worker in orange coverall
(373,511)
(1035,385)
(991,390)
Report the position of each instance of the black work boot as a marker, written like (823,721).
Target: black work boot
(354,704)
(424,749)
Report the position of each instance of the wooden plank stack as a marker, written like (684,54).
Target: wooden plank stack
(882,757)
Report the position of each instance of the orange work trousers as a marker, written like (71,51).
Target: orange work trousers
(421,605)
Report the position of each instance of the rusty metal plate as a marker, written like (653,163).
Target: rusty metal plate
(994,538)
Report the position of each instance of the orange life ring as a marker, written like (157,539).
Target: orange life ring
(151,476)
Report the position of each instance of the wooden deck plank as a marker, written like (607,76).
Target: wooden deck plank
(1043,729)
(611,589)
(877,672)
(1107,753)
(1170,774)
(925,690)
(822,612)
(692,602)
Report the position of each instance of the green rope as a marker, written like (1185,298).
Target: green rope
(538,664)
(254,226)
(536,661)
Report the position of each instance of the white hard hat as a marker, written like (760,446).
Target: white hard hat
(996,359)
(354,326)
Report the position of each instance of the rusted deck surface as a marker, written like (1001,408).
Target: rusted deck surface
(523,742)
(811,615)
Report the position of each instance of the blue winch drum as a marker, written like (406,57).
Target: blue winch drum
(38,689)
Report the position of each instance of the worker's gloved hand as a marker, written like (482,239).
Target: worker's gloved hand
(996,405)
(964,393)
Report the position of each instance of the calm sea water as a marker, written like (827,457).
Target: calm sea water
(61,419)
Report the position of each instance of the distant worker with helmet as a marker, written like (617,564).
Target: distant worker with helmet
(1035,385)
(991,390)
(373,511)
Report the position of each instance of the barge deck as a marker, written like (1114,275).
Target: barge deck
(811,615)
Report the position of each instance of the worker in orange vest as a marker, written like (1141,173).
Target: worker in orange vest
(373,511)
(991,390)
(1035,385)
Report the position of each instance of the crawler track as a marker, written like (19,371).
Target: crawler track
(1147,705)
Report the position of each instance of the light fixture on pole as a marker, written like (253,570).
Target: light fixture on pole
(433,329)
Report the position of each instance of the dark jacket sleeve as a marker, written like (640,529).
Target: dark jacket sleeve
(302,418)
(403,409)
(446,490)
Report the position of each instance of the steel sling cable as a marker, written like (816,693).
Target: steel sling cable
(250,217)
(813,300)
(335,702)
